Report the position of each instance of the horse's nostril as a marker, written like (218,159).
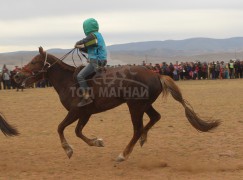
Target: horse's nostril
(16,77)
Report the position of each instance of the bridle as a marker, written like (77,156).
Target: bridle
(36,73)
(45,63)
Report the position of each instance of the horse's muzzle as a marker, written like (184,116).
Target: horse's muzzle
(17,78)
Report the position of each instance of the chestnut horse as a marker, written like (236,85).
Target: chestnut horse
(6,128)
(135,85)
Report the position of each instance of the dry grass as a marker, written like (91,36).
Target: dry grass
(174,150)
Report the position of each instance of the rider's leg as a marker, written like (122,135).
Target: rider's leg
(86,71)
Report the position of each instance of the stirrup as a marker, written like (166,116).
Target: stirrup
(85,102)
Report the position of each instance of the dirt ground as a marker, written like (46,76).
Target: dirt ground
(175,150)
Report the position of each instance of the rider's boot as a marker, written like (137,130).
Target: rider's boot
(86,99)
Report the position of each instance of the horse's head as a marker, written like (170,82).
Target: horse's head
(34,70)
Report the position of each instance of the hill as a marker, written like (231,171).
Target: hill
(203,49)
(191,46)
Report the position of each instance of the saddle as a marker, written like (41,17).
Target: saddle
(100,70)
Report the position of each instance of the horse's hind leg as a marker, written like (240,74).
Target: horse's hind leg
(81,123)
(154,117)
(137,111)
(69,119)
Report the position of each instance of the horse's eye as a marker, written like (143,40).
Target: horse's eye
(32,63)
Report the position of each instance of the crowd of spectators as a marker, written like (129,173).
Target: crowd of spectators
(178,71)
(199,70)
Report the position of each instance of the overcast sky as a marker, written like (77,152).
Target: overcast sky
(27,24)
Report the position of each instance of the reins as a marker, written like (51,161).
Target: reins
(50,65)
(66,55)
(61,59)
(44,70)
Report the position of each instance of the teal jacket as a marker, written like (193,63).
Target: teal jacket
(98,51)
(94,43)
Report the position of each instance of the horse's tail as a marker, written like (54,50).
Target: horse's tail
(6,128)
(168,85)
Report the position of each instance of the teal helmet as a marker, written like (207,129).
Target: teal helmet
(90,25)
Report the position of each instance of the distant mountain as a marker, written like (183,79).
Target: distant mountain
(191,46)
(204,49)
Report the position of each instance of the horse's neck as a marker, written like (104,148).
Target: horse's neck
(60,78)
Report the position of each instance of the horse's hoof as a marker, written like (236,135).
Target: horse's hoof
(69,152)
(67,148)
(142,140)
(99,142)
(120,158)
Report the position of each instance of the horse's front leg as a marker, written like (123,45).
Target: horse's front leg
(98,142)
(69,119)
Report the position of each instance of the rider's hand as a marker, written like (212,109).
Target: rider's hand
(79,46)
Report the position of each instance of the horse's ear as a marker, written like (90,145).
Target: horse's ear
(41,51)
